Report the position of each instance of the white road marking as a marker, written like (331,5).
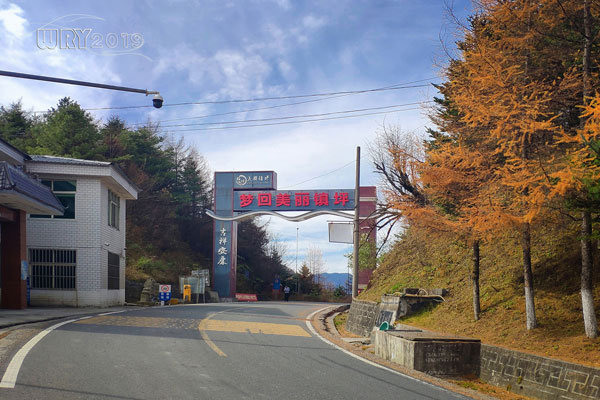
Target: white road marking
(310,327)
(9,379)
(114,312)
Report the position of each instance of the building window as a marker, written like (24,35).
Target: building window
(113,210)
(52,269)
(65,193)
(113,271)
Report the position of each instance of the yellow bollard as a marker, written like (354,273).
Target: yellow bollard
(187,292)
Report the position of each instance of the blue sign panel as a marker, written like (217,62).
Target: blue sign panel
(294,200)
(164,296)
(254,180)
(223,256)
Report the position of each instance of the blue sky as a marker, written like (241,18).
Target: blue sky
(194,51)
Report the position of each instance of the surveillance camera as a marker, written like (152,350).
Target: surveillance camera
(157,101)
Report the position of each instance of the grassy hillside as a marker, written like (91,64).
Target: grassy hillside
(420,260)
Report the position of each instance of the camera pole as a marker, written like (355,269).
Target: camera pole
(157,101)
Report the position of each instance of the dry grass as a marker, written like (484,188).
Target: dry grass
(340,324)
(426,262)
(474,383)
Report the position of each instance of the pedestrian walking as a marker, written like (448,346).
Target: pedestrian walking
(286,293)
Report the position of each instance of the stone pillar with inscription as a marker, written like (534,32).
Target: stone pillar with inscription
(224,256)
(225,232)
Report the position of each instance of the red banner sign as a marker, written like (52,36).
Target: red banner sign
(289,200)
(246,297)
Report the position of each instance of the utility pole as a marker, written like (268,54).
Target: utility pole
(297,272)
(356,227)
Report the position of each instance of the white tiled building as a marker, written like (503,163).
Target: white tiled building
(78,259)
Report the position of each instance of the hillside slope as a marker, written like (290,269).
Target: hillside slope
(420,260)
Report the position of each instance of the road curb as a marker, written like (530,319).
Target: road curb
(5,326)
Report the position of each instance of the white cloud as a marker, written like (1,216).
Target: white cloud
(12,21)
(286,69)
(225,74)
(285,4)
(243,73)
(313,22)
(20,54)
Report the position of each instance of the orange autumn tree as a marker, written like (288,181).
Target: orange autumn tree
(457,169)
(579,182)
(422,190)
(526,72)
(505,88)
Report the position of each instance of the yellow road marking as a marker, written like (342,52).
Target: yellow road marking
(207,324)
(205,337)
(252,327)
(211,344)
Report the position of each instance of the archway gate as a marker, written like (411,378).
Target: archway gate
(239,195)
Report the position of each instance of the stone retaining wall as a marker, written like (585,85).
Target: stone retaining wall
(361,317)
(537,376)
(365,315)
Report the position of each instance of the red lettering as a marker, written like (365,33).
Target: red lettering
(341,198)
(264,199)
(302,199)
(246,200)
(321,199)
(282,199)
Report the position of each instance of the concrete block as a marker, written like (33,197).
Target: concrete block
(428,352)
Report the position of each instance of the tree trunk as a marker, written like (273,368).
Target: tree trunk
(475,279)
(587,298)
(587,45)
(587,260)
(528,276)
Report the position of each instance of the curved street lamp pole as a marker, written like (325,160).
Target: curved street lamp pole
(157,101)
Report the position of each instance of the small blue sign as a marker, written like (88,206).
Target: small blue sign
(24,270)
(164,296)
(276,284)
(255,180)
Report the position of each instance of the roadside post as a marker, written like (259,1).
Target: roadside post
(164,293)
(187,292)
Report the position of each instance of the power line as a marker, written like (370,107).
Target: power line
(320,176)
(275,106)
(244,111)
(296,116)
(393,87)
(293,122)
(325,174)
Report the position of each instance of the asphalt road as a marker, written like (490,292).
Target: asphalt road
(215,351)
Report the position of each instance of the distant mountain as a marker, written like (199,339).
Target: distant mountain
(335,278)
